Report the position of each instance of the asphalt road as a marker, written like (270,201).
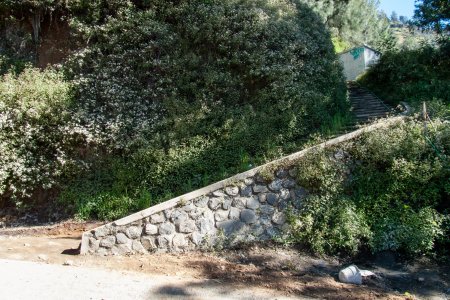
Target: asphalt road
(31,280)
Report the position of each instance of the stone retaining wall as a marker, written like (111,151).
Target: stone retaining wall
(245,211)
(243,208)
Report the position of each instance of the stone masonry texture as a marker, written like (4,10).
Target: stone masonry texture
(250,210)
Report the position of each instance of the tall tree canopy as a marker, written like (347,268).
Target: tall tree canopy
(433,14)
(355,22)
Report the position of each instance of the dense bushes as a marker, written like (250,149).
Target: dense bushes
(172,96)
(34,137)
(202,57)
(414,76)
(389,189)
(199,91)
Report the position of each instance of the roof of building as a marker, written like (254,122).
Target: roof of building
(364,45)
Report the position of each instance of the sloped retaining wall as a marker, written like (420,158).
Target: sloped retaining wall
(243,208)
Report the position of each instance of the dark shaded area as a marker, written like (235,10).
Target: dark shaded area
(423,276)
(293,272)
(170,290)
(72,251)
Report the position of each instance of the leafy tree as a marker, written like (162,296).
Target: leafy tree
(403,19)
(394,17)
(433,14)
(355,22)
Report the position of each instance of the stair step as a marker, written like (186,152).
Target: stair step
(377,111)
(370,107)
(365,106)
(371,115)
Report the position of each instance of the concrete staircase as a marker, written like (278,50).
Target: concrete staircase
(366,106)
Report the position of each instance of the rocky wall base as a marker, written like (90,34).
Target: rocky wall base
(246,211)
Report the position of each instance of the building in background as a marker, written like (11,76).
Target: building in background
(357,60)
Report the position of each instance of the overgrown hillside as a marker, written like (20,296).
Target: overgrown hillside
(163,98)
(146,100)
(415,76)
(387,190)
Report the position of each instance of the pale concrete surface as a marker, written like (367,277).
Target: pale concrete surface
(31,280)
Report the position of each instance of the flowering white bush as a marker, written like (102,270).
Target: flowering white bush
(145,69)
(169,98)
(33,137)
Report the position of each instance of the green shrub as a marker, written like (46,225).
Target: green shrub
(145,73)
(12,65)
(388,190)
(33,135)
(330,224)
(411,231)
(188,93)
(414,76)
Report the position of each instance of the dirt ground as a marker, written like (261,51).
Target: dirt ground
(285,270)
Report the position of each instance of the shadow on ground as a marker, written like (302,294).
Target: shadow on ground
(286,271)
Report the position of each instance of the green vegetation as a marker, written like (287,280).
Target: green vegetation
(387,190)
(433,14)
(223,87)
(414,76)
(33,135)
(355,22)
(167,99)
(159,98)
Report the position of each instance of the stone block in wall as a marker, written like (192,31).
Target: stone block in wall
(197,238)
(137,247)
(157,218)
(180,241)
(276,185)
(248,216)
(271,198)
(246,191)
(151,229)
(239,202)
(252,203)
(215,202)
(230,226)
(121,238)
(234,213)
(226,203)
(279,218)
(232,190)
(166,228)
(94,244)
(187,226)
(134,232)
(164,242)
(121,249)
(108,241)
(205,225)
(101,232)
(260,189)
(221,215)
(178,216)
(149,243)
